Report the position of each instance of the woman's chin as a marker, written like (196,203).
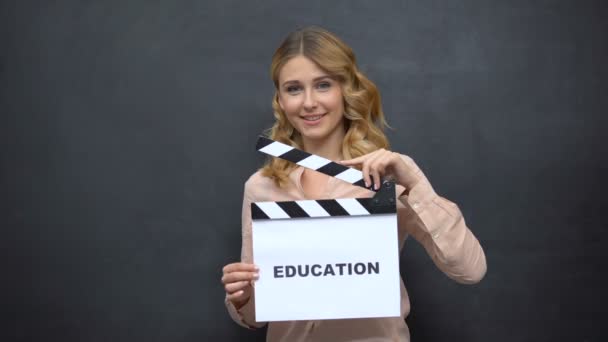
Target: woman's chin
(312,135)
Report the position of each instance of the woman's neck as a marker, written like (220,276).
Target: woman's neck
(330,148)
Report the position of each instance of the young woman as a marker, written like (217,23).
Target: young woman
(324,105)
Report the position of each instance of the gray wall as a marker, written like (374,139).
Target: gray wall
(127,131)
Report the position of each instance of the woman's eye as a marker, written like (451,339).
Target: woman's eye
(324,85)
(293,89)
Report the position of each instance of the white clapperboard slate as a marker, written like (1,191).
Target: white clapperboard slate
(325,259)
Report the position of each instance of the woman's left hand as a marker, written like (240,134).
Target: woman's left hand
(384,164)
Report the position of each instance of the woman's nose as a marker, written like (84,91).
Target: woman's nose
(310,102)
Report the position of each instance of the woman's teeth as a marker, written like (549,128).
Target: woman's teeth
(312,118)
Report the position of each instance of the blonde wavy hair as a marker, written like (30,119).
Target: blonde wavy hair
(364,120)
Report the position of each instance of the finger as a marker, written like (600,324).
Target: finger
(234,287)
(236,295)
(375,174)
(354,161)
(240,266)
(366,177)
(364,161)
(239,276)
(370,166)
(376,169)
(384,162)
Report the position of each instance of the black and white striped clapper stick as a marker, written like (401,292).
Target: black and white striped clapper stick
(311,161)
(383,201)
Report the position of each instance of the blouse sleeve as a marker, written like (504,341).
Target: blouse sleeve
(439,226)
(245,316)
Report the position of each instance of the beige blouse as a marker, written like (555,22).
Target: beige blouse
(433,221)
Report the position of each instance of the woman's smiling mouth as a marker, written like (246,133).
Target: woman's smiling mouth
(312,118)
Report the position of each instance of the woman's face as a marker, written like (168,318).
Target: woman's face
(312,101)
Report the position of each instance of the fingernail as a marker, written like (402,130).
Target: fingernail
(256,276)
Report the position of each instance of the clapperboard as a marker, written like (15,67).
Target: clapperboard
(329,258)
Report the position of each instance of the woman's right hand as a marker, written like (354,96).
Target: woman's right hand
(237,280)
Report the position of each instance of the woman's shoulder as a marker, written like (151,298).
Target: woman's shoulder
(258,184)
(258,180)
(259,187)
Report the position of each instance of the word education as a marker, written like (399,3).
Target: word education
(316,270)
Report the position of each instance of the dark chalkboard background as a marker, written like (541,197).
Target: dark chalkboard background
(127,131)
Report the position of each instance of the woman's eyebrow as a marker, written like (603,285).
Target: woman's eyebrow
(320,78)
(290,81)
(314,79)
